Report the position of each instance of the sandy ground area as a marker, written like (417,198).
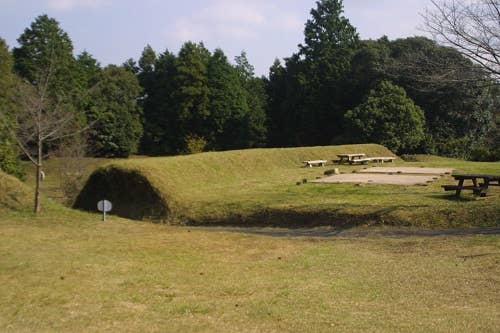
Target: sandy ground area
(373,178)
(408,170)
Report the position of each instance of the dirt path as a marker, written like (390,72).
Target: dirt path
(389,175)
(356,232)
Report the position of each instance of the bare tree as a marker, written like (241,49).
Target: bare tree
(470,26)
(42,120)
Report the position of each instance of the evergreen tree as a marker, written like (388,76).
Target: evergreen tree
(45,52)
(288,122)
(45,60)
(256,98)
(9,154)
(160,121)
(388,117)
(330,41)
(313,99)
(191,96)
(114,108)
(87,68)
(146,69)
(131,66)
(147,60)
(228,105)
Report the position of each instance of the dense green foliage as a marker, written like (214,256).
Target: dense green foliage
(198,96)
(308,94)
(334,72)
(387,117)
(9,161)
(45,52)
(326,92)
(458,105)
(115,113)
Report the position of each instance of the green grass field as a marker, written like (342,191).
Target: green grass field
(258,187)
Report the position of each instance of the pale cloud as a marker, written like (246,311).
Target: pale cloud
(240,19)
(71,4)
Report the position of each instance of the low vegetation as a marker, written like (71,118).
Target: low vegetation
(258,187)
(14,195)
(66,271)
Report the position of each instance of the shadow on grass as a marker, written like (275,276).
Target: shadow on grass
(356,233)
(295,219)
(453,197)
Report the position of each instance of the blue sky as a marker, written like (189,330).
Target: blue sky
(115,30)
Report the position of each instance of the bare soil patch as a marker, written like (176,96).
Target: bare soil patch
(365,178)
(408,170)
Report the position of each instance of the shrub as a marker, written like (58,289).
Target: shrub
(388,117)
(195,144)
(483,154)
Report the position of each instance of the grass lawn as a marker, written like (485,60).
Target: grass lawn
(66,271)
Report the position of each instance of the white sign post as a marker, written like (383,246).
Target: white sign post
(104,206)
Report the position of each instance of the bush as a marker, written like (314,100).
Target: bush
(483,154)
(9,154)
(388,117)
(195,144)
(456,147)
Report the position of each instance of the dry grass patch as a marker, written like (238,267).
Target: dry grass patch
(68,272)
(14,195)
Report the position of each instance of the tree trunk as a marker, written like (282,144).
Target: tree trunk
(38,176)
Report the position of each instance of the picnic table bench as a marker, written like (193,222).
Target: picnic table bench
(477,188)
(361,159)
(351,158)
(310,164)
(381,159)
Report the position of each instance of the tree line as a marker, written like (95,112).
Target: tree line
(412,95)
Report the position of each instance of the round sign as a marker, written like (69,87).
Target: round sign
(104,206)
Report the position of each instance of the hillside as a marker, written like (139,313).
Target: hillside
(259,187)
(14,195)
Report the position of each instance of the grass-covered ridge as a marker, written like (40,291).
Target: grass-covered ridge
(14,195)
(259,187)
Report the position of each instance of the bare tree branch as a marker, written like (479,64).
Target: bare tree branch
(470,26)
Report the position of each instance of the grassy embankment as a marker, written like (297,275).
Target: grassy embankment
(258,187)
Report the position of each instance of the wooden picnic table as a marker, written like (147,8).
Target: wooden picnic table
(478,188)
(351,158)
